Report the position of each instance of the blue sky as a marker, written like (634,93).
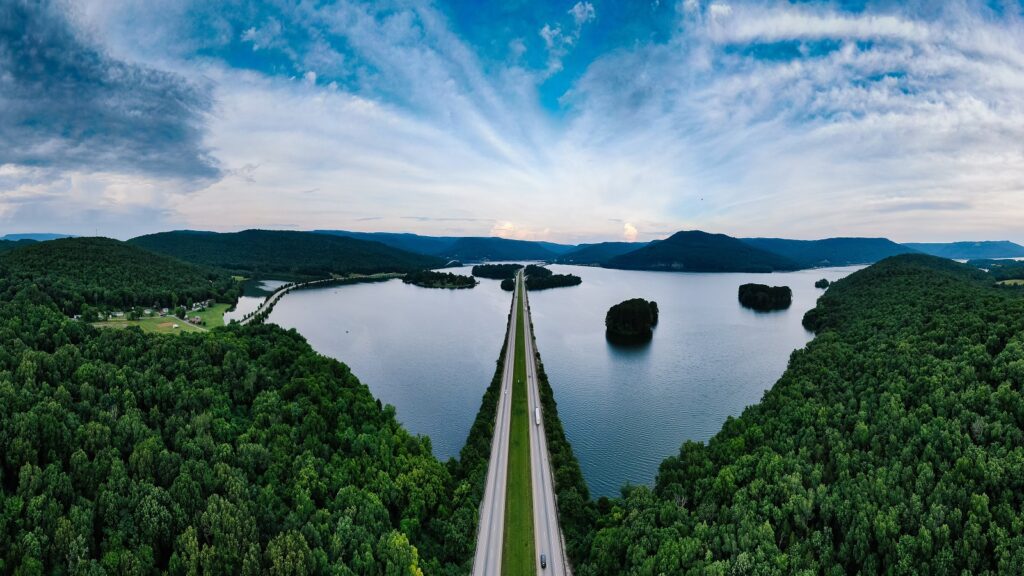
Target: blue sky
(564,121)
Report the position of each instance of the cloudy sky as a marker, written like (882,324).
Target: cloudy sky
(557,120)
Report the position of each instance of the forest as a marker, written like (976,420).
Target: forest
(431,279)
(100,272)
(1001,269)
(236,451)
(764,298)
(892,444)
(285,255)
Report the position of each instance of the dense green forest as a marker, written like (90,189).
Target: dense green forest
(764,297)
(552,281)
(464,248)
(237,451)
(288,255)
(892,444)
(831,251)
(431,279)
(696,251)
(1001,269)
(8,245)
(508,284)
(100,272)
(631,320)
(496,271)
(823,283)
(536,271)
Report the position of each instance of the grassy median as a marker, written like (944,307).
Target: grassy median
(517,557)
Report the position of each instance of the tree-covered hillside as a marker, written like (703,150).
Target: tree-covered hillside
(696,251)
(892,444)
(105,272)
(597,254)
(831,251)
(283,254)
(8,245)
(239,451)
(971,250)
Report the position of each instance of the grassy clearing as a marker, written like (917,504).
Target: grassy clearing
(518,551)
(1015,282)
(212,316)
(155,325)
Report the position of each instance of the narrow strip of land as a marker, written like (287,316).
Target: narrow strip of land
(518,555)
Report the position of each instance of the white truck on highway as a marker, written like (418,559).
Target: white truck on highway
(536,413)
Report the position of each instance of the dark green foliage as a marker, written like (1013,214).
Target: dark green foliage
(101,272)
(292,255)
(535,271)
(598,254)
(508,284)
(971,250)
(8,245)
(236,451)
(696,251)
(762,297)
(823,283)
(831,251)
(552,281)
(431,279)
(496,271)
(631,320)
(1001,269)
(892,444)
(497,249)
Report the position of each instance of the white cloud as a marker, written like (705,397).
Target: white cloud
(582,12)
(629,232)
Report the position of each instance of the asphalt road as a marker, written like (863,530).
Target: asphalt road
(547,534)
(490,533)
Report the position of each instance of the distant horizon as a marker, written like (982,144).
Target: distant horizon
(4,234)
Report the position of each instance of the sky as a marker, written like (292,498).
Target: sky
(566,121)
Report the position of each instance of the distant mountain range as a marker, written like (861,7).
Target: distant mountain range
(284,254)
(971,250)
(465,249)
(598,254)
(38,237)
(831,251)
(697,251)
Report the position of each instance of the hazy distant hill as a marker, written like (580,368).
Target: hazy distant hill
(596,254)
(284,254)
(467,248)
(831,251)
(38,237)
(697,251)
(971,250)
(476,249)
(77,271)
(6,245)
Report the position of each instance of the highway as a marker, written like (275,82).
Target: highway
(547,534)
(546,531)
(491,531)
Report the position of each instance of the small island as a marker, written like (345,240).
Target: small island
(508,284)
(631,321)
(496,271)
(823,284)
(431,279)
(540,278)
(764,298)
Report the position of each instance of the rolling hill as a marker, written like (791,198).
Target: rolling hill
(466,249)
(831,251)
(8,245)
(37,236)
(697,251)
(283,254)
(970,250)
(105,272)
(597,254)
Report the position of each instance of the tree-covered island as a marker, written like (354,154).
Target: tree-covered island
(631,321)
(496,271)
(764,298)
(431,279)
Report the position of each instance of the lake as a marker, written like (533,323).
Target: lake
(431,354)
(253,294)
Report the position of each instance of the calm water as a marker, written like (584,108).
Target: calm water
(431,354)
(254,293)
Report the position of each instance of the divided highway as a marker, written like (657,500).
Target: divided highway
(491,531)
(547,534)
